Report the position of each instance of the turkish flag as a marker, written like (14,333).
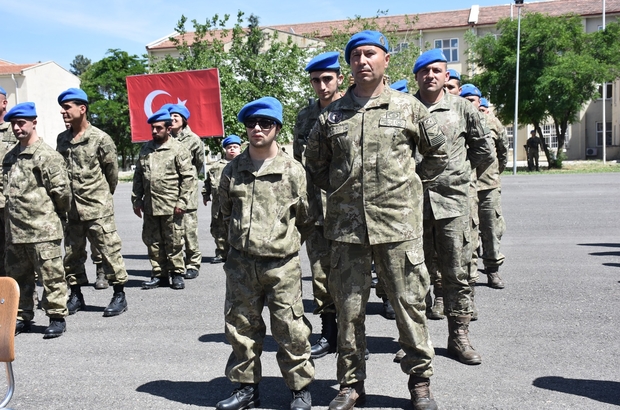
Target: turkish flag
(198,90)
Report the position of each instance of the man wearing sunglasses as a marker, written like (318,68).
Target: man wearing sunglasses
(264,203)
(361,151)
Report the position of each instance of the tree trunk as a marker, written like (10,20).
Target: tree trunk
(544,144)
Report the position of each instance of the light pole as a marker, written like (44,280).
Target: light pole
(515,126)
(604,105)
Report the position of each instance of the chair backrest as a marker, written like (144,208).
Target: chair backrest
(9,300)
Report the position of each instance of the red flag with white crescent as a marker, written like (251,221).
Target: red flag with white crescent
(198,90)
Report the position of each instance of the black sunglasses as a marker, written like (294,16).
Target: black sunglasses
(263,123)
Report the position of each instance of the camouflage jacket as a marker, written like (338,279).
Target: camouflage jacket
(212,182)
(163,179)
(37,194)
(305,120)
(92,167)
(490,178)
(7,142)
(194,145)
(266,212)
(468,142)
(364,158)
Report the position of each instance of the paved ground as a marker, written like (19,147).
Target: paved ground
(550,340)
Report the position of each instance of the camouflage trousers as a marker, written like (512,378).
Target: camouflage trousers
(102,235)
(163,237)
(25,261)
(218,231)
(448,240)
(2,243)
(474,275)
(320,261)
(492,226)
(250,282)
(401,269)
(193,257)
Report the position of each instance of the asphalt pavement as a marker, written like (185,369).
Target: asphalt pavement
(549,340)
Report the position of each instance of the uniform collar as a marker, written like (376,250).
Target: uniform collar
(277,165)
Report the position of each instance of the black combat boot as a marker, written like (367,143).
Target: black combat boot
(302,400)
(22,326)
(458,340)
(191,273)
(101,282)
(388,310)
(494,281)
(421,397)
(76,300)
(156,282)
(244,397)
(177,281)
(56,328)
(118,304)
(329,337)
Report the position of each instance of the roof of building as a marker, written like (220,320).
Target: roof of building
(10,68)
(431,21)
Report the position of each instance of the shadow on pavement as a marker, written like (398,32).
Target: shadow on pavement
(273,392)
(600,390)
(141,256)
(608,245)
(613,265)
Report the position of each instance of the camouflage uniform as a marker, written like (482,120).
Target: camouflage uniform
(163,180)
(8,141)
(446,202)
(193,144)
(267,215)
(210,193)
(492,224)
(93,173)
(317,246)
(374,211)
(38,196)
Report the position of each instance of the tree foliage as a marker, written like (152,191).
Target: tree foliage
(79,65)
(251,63)
(560,66)
(104,83)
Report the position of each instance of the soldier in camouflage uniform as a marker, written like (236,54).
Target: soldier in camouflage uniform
(183,133)
(325,78)
(361,151)
(265,206)
(232,148)
(7,142)
(162,185)
(92,166)
(446,199)
(38,197)
(492,224)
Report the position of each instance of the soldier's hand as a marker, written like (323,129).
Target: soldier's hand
(205,200)
(138,211)
(179,211)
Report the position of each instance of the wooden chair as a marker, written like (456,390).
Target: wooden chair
(9,300)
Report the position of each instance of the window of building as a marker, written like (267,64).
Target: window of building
(399,47)
(610,88)
(450,48)
(510,135)
(599,134)
(551,139)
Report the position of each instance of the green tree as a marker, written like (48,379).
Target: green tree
(104,83)
(79,65)
(559,69)
(251,64)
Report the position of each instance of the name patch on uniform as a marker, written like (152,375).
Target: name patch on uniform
(334,117)
(339,129)
(392,119)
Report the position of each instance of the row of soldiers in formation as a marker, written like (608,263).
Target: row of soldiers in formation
(379,176)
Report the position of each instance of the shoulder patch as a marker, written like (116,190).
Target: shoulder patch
(334,117)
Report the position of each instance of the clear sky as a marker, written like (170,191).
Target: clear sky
(58,30)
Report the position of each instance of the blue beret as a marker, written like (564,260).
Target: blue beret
(72,94)
(166,107)
(179,109)
(484,102)
(23,110)
(454,74)
(365,38)
(401,86)
(470,89)
(231,139)
(325,61)
(2,91)
(160,115)
(267,107)
(429,57)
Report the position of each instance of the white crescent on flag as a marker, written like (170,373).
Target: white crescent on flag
(148,101)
